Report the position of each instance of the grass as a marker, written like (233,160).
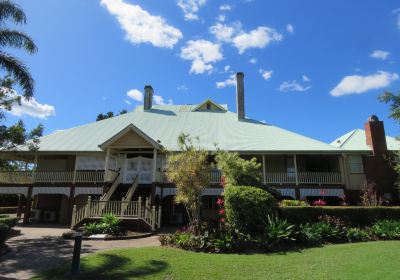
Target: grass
(372,260)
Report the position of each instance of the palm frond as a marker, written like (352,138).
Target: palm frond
(16,39)
(10,10)
(19,72)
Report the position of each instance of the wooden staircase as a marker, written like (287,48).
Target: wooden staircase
(124,210)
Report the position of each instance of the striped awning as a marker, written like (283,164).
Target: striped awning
(288,192)
(321,192)
(51,190)
(14,190)
(88,190)
(172,191)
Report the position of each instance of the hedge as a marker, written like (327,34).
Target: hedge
(247,207)
(4,232)
(9,221)
(352,215)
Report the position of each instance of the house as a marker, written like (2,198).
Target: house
(121,159)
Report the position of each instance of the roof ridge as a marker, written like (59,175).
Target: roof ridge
(351,135)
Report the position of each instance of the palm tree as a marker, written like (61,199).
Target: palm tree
(15,39)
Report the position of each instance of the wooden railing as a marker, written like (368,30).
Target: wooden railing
(140,210)
(303,178)
(31,177)
(215,177)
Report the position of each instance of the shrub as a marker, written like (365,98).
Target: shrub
(351,215)
(292,202)
(9,221)
(4,232)
(247,208)
(109,224)
(321,232)
(358,234)
(386,229)
(278,232)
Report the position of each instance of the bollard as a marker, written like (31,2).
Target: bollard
(76,257)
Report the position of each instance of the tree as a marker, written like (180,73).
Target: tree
(15,39)
(108,115)
(238,171)
(394,101)
(15,73)
(189,170)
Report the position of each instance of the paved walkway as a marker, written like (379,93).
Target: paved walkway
(40,247)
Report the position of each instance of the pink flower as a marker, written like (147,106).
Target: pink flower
(223,181)
(319,202)
(220,201)
(222,220)
(221,211)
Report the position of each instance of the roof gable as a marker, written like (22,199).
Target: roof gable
(209,105)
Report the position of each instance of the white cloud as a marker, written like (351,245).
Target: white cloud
(225,7)
(221,18)
(30,107)
(182,88)
(227,68)
(306,78)
(397,13)
(265,74)
(290,28)
(292,86)
(231,81)
(142,27)
(135,94)
(225,32)
(253,60)
(159,100)
(380,54)
(257,38)
(128,102)
(190,8)
(203,54)
(357,84)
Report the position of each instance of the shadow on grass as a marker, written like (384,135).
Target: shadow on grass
(107,266)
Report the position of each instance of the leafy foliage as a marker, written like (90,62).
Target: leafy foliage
(108,115)
(293,202)
(278,232)
(109,224)
(189,170)
(238,171)
(386,229)
(247,208)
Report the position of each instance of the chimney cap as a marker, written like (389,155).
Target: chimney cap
(373,118)
(239,74)
(148,86)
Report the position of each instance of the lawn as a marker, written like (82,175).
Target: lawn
(373,260)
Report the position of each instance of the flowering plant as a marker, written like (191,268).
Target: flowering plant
(319,202)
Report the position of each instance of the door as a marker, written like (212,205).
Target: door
(138,165)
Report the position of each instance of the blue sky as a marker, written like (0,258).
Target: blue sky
(312,67)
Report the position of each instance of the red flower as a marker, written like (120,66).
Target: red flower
(221,211)
(220,201)
(319,202)
(222,220)
(322,192)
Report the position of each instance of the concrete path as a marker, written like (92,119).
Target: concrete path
(40,247)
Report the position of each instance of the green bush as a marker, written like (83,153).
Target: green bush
(9,221)
(278,232)
(247,208)
(358,235)
(351,215)
(292,202)
(386,229)
(109,224)
(4,232)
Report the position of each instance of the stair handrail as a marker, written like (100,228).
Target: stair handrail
(114,185)
(132,189)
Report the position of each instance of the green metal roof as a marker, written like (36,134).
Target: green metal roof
(164,123)
(355,140)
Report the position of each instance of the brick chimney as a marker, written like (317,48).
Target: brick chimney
(240,95)
(148,97)
(375,135)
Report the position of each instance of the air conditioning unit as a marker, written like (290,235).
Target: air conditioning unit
(49,216)
(35,215)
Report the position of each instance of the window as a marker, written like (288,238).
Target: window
(356,164)
(208,106)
